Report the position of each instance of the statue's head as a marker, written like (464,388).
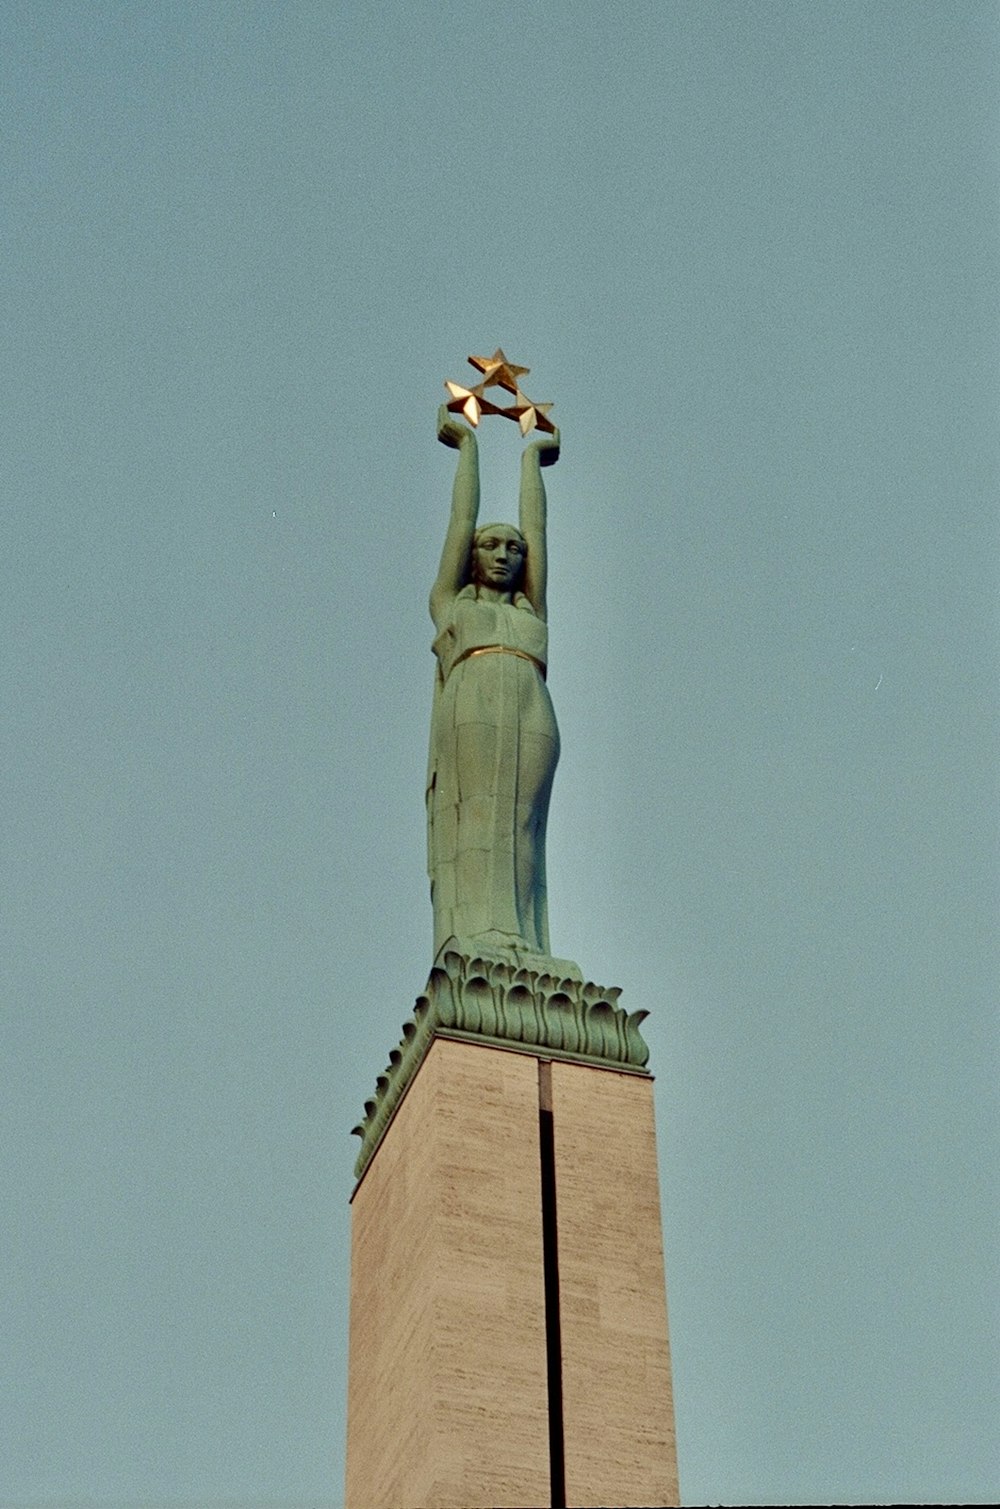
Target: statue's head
(498,556)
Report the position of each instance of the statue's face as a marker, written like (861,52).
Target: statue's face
(498,557)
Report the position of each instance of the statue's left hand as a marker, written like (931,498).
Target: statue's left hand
(452,433)
(546,449)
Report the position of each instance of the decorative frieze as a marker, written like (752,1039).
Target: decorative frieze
(503,1005)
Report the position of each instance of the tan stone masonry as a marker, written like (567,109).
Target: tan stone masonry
(448,1397)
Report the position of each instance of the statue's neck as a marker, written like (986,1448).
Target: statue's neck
(488,594)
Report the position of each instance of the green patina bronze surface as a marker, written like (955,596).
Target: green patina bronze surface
(499,1004)
(494,741)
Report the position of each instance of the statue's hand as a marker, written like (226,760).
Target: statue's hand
(546,449)
(451,432)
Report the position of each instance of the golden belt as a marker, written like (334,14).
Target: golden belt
(503,649)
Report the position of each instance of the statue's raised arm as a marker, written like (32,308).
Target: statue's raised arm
(532,516)
(453,570)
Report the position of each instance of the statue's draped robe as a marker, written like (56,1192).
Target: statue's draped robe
(494,748)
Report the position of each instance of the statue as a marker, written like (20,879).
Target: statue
(494,749)
(494,738)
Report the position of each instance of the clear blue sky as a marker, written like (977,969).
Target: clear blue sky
(750,252)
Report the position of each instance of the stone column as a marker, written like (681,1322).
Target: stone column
(447,1405)
(508,1309)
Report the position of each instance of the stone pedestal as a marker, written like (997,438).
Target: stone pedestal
(618,1409)
(508,1340)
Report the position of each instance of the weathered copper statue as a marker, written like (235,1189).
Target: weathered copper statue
(494,739)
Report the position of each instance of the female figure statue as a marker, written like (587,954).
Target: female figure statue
(494,739)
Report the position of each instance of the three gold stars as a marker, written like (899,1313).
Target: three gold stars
(498,372)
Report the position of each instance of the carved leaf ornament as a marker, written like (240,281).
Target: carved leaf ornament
(498,1003)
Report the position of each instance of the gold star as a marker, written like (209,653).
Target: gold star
(498,371)
(470,402)
(465,401)
(530,415)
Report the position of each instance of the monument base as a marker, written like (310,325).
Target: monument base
(508,1310)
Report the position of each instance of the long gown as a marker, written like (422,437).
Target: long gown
(494,748)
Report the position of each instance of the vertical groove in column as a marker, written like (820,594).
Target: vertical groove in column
(550,1262)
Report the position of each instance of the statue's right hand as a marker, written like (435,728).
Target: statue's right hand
(450,431)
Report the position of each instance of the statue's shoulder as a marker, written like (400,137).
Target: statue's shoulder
(445,641)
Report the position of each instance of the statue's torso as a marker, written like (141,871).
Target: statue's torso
(476,623)
(494,748)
